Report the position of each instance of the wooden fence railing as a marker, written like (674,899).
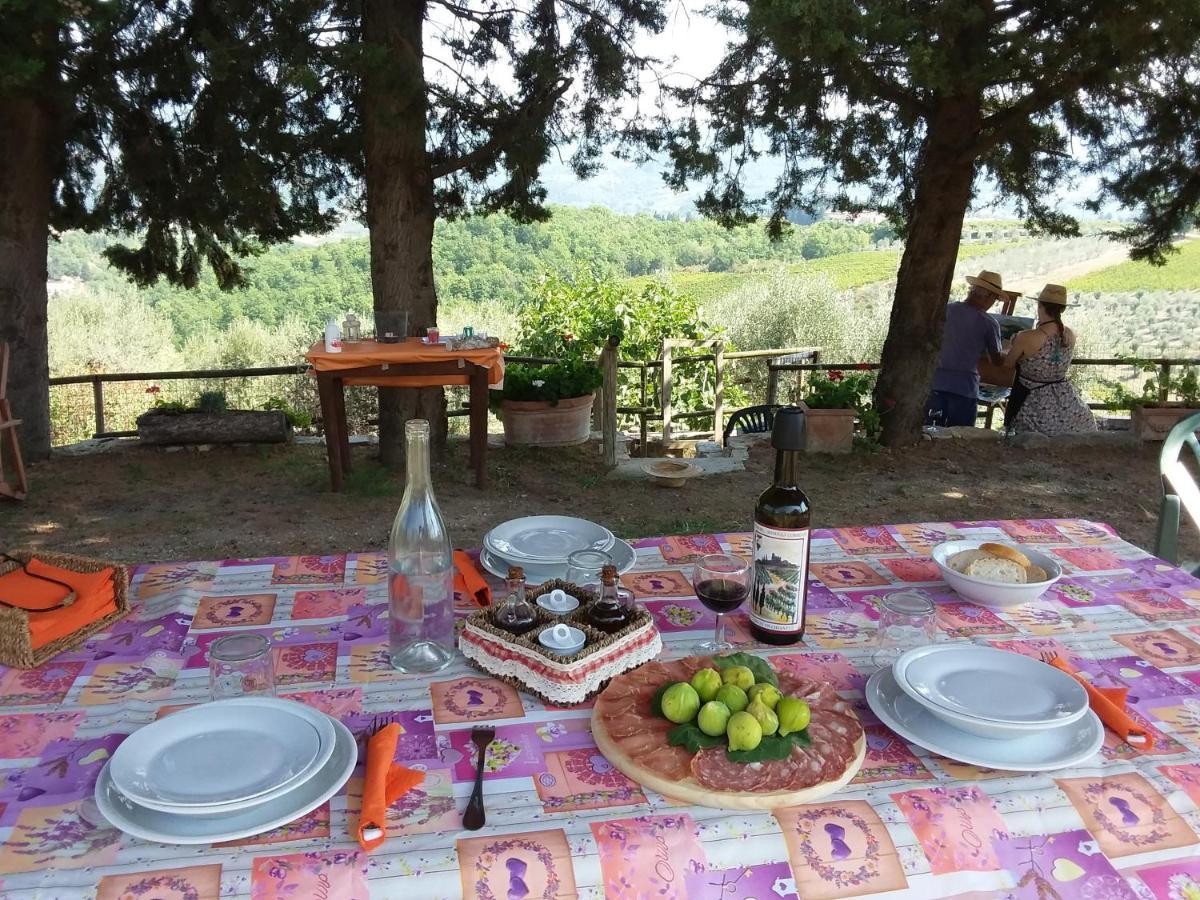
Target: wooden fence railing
(650,408)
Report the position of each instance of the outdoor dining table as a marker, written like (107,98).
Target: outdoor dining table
(408,363)
(562,822)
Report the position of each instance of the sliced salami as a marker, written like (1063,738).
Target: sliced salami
(714,770)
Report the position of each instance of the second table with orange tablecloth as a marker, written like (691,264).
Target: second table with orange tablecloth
(410,363)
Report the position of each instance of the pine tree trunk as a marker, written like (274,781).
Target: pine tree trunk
(944,178)
(26,183)
(400,206)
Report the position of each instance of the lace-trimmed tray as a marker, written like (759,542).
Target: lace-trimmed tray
(562,680)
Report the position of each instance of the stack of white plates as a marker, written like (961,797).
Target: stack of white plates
(225,770)
(987,707)
(541,544)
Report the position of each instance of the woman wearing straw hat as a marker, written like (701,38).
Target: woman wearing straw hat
(1042,400)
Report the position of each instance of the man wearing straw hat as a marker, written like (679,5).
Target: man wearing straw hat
(970,334)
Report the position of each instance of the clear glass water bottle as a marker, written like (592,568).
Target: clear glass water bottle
(421,569)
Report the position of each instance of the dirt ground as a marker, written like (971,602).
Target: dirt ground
(143,505)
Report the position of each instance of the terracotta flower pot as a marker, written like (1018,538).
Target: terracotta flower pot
(1154,423)
(829,430)
(538,423)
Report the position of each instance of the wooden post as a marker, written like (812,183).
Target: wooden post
(98,402)
(666,391)
(608,367)
(772,383)
(1164,380)
(719,404)
(642,415)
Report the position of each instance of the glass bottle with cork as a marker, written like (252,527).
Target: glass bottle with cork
(607,613)
(782,522)
(515,614)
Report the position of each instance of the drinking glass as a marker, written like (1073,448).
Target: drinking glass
(584,566)
(240,665)
(722,583)
(907,620)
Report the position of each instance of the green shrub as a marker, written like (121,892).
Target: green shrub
(212,402)
(574,377)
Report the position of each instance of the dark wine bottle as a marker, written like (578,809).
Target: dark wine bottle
(782,521)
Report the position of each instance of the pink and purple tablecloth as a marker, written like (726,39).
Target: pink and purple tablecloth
(561,821)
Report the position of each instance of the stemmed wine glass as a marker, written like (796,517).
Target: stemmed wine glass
(722,583)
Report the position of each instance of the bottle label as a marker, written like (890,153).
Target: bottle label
(780,578)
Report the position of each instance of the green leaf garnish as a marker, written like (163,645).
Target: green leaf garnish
(689,735)
(772,746)
(656,700)
(760,667)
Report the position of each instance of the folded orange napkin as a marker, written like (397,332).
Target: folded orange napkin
(468,581)
(45,627)
(29,590)
(386,782)
(1109,705)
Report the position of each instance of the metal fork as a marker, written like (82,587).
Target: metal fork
(378,723)
(474,816)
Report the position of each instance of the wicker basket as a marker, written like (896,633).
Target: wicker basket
(551,677)
(16,646)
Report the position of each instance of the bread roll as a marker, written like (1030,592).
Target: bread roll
(963,558)
(1035,573)
(1006,552)
(993,568)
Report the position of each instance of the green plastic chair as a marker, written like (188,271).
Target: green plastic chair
(1179,487)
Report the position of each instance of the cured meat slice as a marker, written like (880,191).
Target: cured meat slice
(643,742)
(714,770)
(847,726)
(673,763)
(777,774)
(623,726)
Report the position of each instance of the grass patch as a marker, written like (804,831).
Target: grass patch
(1181,273)
(370,479)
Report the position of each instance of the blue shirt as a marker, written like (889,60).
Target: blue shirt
(970,333)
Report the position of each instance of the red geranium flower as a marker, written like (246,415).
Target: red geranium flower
(153,389)
(836,375)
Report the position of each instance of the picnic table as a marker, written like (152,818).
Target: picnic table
(1124,825)
(410,363)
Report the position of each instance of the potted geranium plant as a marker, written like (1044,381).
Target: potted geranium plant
(549,405)
(832,402)
(1152,417)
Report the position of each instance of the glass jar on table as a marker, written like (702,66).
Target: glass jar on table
(907,620)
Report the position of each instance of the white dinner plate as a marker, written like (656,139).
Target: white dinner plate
(623,557)
(169,828)
(221,755)
(546,539)
(989,684)
(1059,747)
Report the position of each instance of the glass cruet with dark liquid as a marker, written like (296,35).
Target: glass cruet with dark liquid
(608,613)
(515,614)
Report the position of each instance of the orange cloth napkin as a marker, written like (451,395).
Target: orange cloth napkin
(468,581)
(386,782)
(94,599)
(22,589)
(1109,705)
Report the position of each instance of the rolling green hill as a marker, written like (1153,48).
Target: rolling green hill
(1181,273)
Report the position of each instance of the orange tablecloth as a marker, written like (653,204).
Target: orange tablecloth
(413,350)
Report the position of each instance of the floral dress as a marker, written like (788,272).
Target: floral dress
(1051,404)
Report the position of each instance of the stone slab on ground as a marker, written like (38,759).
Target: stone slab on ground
(633,469)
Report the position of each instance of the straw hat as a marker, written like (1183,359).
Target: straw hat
(989,281)
(1054,294)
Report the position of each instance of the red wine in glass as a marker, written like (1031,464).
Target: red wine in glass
(721,595)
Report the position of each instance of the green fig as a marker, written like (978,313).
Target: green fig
(680,702)
(764,716)
(713,718)
(768,693)
(707,682)
(739,675)
(733,697)
(744,731)
(794,715)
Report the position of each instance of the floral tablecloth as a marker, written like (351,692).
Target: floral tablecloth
(561,821)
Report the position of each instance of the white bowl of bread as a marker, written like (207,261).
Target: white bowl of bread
(995,574)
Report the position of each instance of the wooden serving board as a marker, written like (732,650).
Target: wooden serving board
(693,793)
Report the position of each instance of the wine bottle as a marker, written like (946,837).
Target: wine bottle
(421,569)
(782,519)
